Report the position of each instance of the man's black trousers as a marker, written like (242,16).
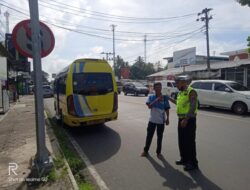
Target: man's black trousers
(186,139)
(150,133)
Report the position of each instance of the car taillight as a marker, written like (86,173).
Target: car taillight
(70,104)
(115,106)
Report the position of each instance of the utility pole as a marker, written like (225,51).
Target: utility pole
(107,55)
(7,14)
(206,19)
(113,30)
(42,161)
(145,48)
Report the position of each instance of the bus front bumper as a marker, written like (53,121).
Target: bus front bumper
(89,120)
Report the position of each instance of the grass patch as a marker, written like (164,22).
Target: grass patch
(59,169)
(52,175)
(75,162)
(85,186)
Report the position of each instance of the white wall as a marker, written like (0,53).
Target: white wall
(3,68)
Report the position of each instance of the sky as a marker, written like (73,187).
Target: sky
(82,28)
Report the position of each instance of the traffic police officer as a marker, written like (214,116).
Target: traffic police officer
(187,106)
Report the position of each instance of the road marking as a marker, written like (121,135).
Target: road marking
(101,184)
(223,117)
(200,113)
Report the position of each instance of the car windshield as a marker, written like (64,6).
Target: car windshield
(237,86)
(46,87)
(174,84)
(92,83)
(137,84)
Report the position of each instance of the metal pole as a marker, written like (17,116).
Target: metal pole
(6,14)
(8,67)
(145,48)
(107,56)
(42,155)
(207,37)
(113,29)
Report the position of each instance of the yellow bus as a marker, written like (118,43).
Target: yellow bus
(85,93)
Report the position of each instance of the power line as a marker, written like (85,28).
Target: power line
(67,6)
(175,43)
(163,34)
(100,36)
(107,19)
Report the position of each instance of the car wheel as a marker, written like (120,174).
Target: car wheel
(239,108)
(146,94)
(125,93)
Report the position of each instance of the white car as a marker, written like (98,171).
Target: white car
(223,94)
(47,91)
(169,88)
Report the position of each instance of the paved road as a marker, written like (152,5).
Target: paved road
(223,148)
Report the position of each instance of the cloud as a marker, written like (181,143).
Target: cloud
(97,49)
(228,28)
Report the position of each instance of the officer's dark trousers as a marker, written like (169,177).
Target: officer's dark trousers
(150,133)
(187,144)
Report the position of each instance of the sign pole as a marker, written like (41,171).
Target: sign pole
(42,159)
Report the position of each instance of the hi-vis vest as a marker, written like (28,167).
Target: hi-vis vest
(183,103)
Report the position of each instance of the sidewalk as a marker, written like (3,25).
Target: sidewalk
(18,146)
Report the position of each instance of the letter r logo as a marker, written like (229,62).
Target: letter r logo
(12,168)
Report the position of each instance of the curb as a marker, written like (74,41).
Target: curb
(70,174)
(4,115)
(99,182)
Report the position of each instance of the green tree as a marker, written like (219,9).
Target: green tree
(158,66)
(248,39)
(149,69)
(139,70)
(120,63)
(244,2)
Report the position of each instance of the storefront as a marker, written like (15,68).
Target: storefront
(238,74)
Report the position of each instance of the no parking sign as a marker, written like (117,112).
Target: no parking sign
(22,41)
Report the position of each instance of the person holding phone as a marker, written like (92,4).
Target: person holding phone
(159,116)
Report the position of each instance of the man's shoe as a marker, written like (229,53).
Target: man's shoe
(144,154)
(190,167)
(180,162)
(160,156)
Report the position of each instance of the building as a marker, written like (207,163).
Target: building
(236,67)
(18,70)
(4,97)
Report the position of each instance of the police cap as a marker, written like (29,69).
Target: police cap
(185,78)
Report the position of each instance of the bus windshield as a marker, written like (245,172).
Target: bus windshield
(92,83)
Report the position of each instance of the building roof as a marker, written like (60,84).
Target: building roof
(202,67)
(235,52)
(214,80)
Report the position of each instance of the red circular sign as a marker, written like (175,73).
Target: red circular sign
(21,37)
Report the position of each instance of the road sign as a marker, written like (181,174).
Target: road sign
(22,40)
(53,75)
